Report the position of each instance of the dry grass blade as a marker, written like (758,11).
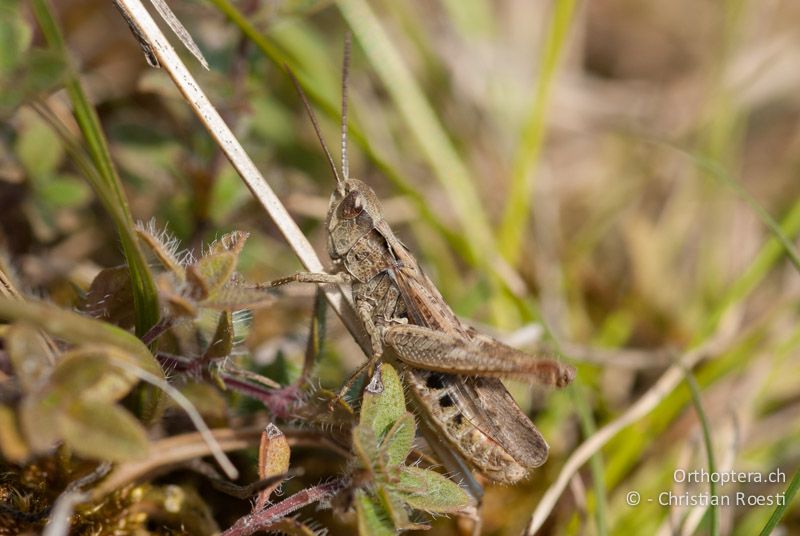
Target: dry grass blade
(423,123)
(216,450)
(181,32)
(646,403)
(174,450)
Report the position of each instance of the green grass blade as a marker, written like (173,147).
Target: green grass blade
(697,400)
(780,510)
(718,172)
(764,261)
(109,187)
(589,427)
(518,207)
(435,146)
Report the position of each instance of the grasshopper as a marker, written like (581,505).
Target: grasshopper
(451,370)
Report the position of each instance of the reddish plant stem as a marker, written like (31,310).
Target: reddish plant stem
(278,401)
(157,330)
(263,519)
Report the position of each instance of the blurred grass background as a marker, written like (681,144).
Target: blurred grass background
(575,164)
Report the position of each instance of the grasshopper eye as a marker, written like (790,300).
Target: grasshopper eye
(352,205)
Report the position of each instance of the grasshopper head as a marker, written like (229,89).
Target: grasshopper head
(353,212)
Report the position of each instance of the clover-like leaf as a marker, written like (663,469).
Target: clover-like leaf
(29,354)
(38,149)
(373,520)
(210,274)
(89,373)
(207,400)
(17,36)
(394,504)
(38,420)
(77,329)
(365,446)
(383,401)
(232,242)
(110,297)
(222,342)
(64,191)
(423,489)
(36,72)
(12,445)
(273,459)
(399,439)
(236,297)
(103,431)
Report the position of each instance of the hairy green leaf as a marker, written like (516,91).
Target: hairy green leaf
(110,297)
(373,520)
(210,274)
(222,342)
(77,329)
(423,489)
(383,402)
(234,298)
(103,431)
(395,505)
(399,440)
(207,399)
(365,446)
(38,420)
(28,353)
(89,374)
(12,446)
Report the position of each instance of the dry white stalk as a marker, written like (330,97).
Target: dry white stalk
(179,30)
(646,403)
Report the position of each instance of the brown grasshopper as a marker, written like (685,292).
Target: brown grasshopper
(451,370)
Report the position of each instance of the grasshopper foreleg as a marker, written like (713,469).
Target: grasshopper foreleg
(319,278)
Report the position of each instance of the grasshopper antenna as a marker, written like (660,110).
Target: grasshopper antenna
(345,77)
(313,117)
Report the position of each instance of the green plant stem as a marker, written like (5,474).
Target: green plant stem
(711,166)
(421,120)
(780,510)
(517,210)
(108,187)
(712,466)
(588,427)
(764,261)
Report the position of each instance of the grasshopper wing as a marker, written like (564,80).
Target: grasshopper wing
(518,435)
